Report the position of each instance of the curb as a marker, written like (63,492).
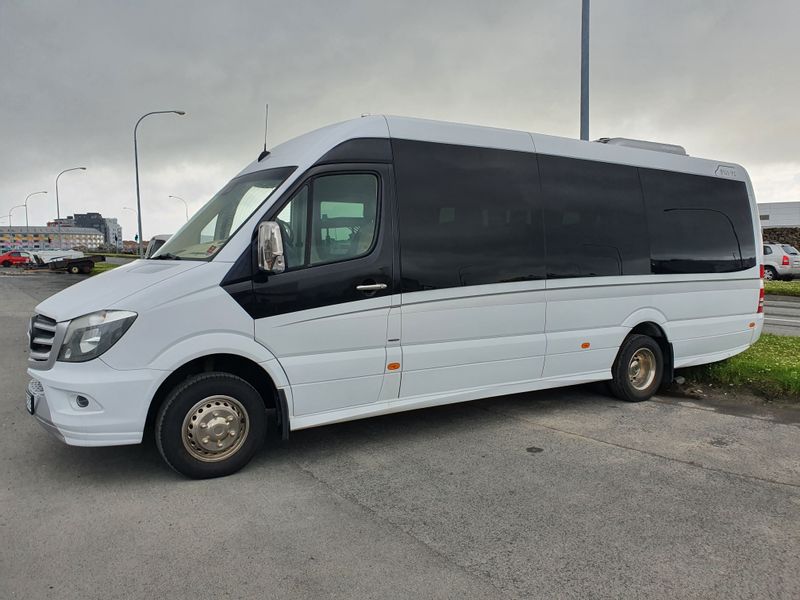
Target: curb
(778,298)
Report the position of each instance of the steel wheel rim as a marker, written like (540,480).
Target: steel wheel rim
(642,369)
(215,428)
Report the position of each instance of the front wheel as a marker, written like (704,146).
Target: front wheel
(211,425)
(6,263)
(638,369)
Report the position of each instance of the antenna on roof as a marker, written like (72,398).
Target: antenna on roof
(265,152)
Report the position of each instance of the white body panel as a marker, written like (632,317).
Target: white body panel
(334,357)
(453,344)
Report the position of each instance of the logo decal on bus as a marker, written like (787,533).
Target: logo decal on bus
(725,171)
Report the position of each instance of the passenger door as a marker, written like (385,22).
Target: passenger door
(325,317)
(471,255)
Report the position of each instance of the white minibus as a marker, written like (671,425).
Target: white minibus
(386,264)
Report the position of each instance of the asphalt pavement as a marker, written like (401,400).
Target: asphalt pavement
(557,494)
(782,315)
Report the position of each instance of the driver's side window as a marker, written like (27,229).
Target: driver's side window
(293,220)
(343,220)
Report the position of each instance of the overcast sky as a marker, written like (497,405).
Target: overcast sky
(718,77)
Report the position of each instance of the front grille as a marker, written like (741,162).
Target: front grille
(42,336)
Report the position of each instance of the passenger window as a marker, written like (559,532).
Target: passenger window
(594,219)
(468,216)
(767,250)
(343,218)
(698,224)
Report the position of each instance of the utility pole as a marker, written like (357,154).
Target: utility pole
(585,70)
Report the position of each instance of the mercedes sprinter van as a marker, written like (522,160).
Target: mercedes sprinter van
(387,264)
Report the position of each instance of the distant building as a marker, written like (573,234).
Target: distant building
(63,222)
(47,238)
(779,214)
(109,227)
(113,233)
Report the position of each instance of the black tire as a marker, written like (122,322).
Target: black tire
(199,391)
(6,263)
(74,269)
(770,274)
(623,385)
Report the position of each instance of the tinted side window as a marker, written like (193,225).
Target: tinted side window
(594,218)
(698,224)
(468,216)
(767,250)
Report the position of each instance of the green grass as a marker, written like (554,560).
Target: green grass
(769,368)
(102,267)
(783,288)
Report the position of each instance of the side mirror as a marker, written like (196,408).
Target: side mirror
(270,248)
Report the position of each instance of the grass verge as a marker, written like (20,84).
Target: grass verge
(102,267)
(783,288)
(769,368)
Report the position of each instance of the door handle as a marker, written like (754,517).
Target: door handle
(371,287)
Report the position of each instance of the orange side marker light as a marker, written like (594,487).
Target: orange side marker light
(751,325)
(585,345)
(393,366)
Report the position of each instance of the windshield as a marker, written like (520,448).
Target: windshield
(210,227)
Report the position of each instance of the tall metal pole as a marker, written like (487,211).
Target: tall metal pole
(585,70)
(27,225)
(136,166)
(11,209)
(9,219)
(58,210)
(185,205)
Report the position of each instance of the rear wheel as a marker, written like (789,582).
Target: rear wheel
(770,274)
(211,425)
(6,263)
(638,369)
(74,269)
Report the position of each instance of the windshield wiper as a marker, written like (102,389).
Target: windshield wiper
(166,256)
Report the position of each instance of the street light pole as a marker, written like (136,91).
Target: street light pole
(186,206)
(585,70)
(9,219)
(11,209)
(58,210)
(136,166)
(27,225)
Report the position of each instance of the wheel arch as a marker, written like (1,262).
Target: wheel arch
(655,330)
(251,371)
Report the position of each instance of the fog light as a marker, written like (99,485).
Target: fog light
(82,401)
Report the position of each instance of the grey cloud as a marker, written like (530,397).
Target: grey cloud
(717,76)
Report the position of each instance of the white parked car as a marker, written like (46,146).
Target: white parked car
(388,264)
(781,261)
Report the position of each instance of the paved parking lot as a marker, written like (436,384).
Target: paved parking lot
(558,494)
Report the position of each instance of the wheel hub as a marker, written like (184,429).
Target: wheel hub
(215,428)
(642,369)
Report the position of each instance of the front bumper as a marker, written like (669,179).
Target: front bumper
(116,402)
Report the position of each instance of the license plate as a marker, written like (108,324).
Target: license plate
(29,404)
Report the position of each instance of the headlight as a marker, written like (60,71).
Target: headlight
(90,335)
